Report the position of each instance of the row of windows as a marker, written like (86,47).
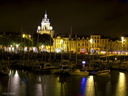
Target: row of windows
(94,41)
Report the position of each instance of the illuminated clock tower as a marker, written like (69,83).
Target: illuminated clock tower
(45,27)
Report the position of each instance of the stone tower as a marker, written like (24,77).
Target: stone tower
(45,27)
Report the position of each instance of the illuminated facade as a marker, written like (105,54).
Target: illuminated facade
(64,44)
(98,44)
(90,45)
(93,44)
(45,27)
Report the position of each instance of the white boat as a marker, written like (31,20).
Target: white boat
(47,66)
(44,67)
(77,72)
(124,65)
(102,72)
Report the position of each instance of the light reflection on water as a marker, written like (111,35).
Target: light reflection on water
(23,83)
(121,88)
(90,87)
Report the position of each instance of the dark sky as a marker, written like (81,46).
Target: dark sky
(106,17)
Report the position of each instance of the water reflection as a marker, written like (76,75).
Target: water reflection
(23,83)
(14,83)
(90,87)
(102,84)
(63,89)
(82,86)
(121,85)
(3,85)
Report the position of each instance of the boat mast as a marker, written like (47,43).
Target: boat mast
(70,38)
(76,48)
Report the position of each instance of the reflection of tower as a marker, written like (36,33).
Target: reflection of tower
(45,27)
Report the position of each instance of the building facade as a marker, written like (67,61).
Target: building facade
(93,44)
(45,27)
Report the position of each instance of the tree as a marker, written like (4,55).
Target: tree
(42,39)
(5,40)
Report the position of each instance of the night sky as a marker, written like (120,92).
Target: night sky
(106,17)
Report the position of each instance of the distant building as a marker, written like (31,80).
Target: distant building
(70,43)
(45,27)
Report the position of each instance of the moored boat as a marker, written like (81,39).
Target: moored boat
(44,67)
(115,64)
(124,65)
(102,72)
(77,72)
(64,67)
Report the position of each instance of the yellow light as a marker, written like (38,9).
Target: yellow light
(42,46)
(23,35)
(122,38)
(121,85)
(90,89)
(61,41)
(90,40)
(39,28)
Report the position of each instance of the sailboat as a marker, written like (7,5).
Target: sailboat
(77,72)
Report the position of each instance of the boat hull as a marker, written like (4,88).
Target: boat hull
(77,72)
(103,72)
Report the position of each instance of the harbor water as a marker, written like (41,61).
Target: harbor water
(25,83)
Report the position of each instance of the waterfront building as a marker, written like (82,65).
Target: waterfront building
(80,44)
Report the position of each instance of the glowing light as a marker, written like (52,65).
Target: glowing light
(122,38)
(17,45)
(50,28)
(23,35)
(61,41)
(15,83)
(90,88)
(39,28)
(91,40)
(83,62)
(57,50)
(83,84)
(29,36)
(16,73)
(83,51)
(121,87)
(25,48)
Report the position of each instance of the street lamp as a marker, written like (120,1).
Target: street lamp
(122,39)
(61,47)
(50,29)
(24,43)
(123,47)
(91,41)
